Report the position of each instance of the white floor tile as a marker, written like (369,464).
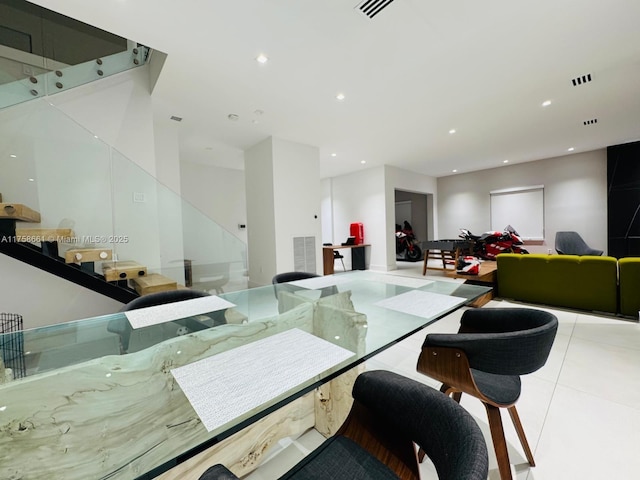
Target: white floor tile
(586,437)
(612,331)
(607,371)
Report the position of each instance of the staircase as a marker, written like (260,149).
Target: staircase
(122,280)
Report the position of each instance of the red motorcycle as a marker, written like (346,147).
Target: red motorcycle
(406,244)
(488,245)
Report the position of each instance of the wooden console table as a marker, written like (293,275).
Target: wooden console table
(357,257)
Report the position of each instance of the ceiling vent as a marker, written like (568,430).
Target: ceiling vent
(581,80)
(593,121)
(370,8)
(176,119)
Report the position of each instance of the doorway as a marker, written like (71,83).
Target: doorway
(417,209)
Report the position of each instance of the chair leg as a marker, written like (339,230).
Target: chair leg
(523,438)
(499,442)
(450,391)
(343,267)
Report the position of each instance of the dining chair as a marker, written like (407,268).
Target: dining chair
(389,413)
(336,255)
(485,359)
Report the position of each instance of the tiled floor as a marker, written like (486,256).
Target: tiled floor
(581,411)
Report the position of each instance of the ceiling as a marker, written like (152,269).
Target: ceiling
(411,74)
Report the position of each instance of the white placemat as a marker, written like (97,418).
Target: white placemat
(232,383)
(421,304)
(398,280)
(321,282)
(144,317)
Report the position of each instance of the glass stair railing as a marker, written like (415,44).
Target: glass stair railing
(24,77)
(79,203)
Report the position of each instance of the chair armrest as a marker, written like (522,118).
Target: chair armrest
(218,472)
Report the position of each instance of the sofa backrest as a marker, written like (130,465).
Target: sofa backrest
(581,282)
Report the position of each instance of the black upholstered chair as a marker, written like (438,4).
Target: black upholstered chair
(122,327)
(485,359)
(571,243)
(389,413)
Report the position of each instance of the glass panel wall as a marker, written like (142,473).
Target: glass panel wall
(76,181)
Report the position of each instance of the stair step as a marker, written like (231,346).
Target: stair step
(81,255)
(34,235)
(17,211)
(122,270)
(154,283)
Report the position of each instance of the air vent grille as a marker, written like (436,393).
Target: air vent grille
(370,8)
(177,119)
(581,80)
(593,121)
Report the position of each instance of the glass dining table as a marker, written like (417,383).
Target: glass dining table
(200,380)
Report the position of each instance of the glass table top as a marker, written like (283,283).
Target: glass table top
(360,311)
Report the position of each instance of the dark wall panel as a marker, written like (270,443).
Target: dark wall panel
(623,180)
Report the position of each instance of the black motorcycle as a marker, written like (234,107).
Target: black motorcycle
(406,244)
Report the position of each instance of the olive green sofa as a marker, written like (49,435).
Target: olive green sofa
(629,286)
(571,281)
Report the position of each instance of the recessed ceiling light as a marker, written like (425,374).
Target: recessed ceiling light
(32,180)
(233,117)
(363,161)
(546,103)
(262,58)
(13,156)
(570,149)
(505,161)
(454,171)
(340,96)
(452,131)
(334,154)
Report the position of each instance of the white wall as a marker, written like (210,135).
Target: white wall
(359,197)
(261,235)
(218,192)
(119,110)
(575,197)
(283,202)
(296,200)
(43,299)
(214,205)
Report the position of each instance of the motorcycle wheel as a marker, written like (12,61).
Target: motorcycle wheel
(414,254)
